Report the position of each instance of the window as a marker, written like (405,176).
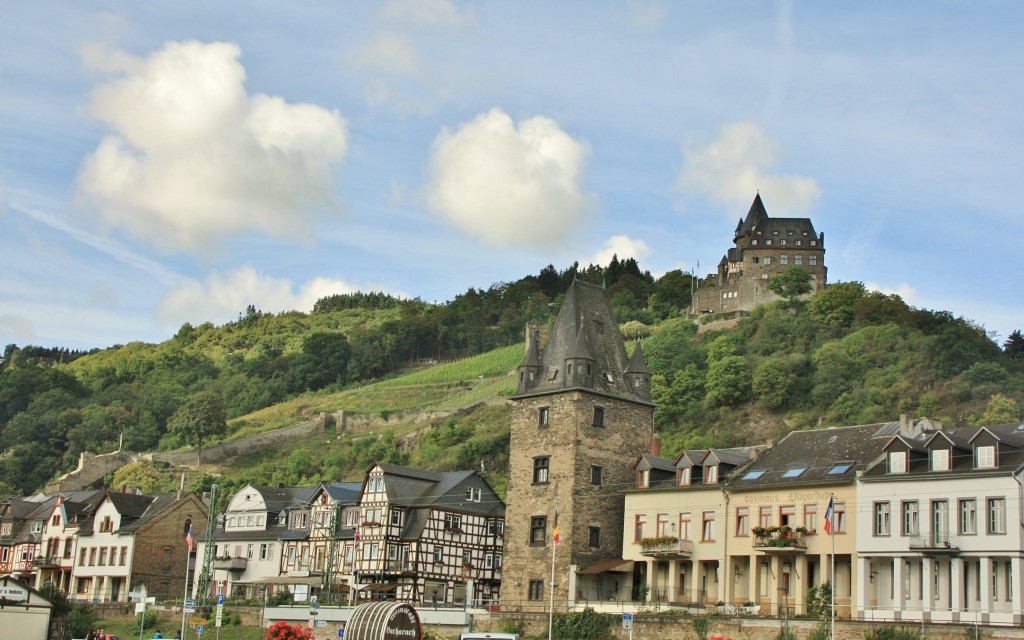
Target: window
(594,537)
(754,475)
(767,259)
(540,470)
(812,260)
(438,555)
(986,457)
(538,530)
(968,509)
(249,552)
(642,478)
(639,527)
(783,242)
(798,258)
(881,518)
(840,468)
(787,516)
(997,515)
(544,416)
(92,556)
(764,517)
(661,527)
(299,519)
(742,521)
(940,460)
(467,556)
(264,551)
(599,417)
(489,561)
(811,517)
(323,518)
(396,515)
(783,259)
(911,524)
(495,527)
(81,557)
(707,528)
(795,472)
(684,476)
(596,475)
(452,521)
(897,462)
(351,517)
(838,517)
(684,526)
(536,590)
(711,474)
(106,524)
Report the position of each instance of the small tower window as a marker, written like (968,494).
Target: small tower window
(544,416)
(599,417)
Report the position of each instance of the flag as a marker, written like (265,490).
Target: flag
(358,537)
(828,517)
(190,539)
(556,537)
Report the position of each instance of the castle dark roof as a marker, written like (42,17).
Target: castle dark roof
(585,328)
(637,363)
(758,225)
(756,213)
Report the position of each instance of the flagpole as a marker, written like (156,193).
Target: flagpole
(832,586)
(184,599)
(551,595)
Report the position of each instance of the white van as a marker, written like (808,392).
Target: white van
(488,635)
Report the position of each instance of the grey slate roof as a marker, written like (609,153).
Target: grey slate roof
(961,443)
(585,328)
(817,451)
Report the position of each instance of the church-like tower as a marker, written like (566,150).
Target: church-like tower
(581,415)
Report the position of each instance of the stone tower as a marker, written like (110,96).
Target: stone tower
(581,415)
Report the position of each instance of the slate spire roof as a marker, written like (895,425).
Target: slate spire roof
(585,329)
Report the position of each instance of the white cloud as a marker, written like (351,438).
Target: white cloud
(736,165)
(222,296)
(903,290)
(388,52)
(510,185)
(16,328)
(194,158)
(441,13)
(621,246)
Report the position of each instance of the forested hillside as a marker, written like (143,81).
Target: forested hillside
(845,357)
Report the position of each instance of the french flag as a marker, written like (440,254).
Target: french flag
(828,517)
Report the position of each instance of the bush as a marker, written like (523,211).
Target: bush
(81,620)
(283,631)
(149,618)
(700,625)
(585,625)
(892,633)
(280,598)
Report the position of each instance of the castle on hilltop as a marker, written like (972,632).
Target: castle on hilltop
(764,248)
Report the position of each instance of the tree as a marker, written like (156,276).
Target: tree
(791,284)
(139,475)
(200,418)
(1000,410)
(837,303)
(727,380)
(1014,345)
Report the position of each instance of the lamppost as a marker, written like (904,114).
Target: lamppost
(785,607)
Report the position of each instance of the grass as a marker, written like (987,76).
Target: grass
(126,630)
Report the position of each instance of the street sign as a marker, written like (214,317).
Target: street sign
(140,607)
(220,616)
(341,633)
(190,603)
(220,600)
(627,621)
(321,623)
(198,621)
(199,630)
(314,613)
(189,610)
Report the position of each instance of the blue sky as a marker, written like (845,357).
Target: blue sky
(171,162)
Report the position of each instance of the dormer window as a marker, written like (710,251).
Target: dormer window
(643,478)
(940,460)
(795,472)
(711,474)
(897,462)
(985,457)
(684,477)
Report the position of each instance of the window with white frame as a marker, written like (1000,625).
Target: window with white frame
(711,474)
(968,520)
(997,515)
(881,518)
(897,462)
(986,457)
(684,476)
(940,459)
(911,525)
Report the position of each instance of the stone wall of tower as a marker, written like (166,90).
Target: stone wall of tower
(573,445)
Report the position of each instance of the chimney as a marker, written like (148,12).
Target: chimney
(656,445)
(905,425)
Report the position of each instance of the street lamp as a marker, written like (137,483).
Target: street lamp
(785,607)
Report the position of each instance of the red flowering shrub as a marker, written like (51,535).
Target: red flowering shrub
(281,630)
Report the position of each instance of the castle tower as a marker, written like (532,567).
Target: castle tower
(582,413)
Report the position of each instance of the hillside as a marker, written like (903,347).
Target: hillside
(845,357)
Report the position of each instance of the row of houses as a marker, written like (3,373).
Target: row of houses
(402,533)
(100,545)
(906,520)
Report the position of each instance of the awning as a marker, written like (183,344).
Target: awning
(617,565)
(286,580)
(379,586)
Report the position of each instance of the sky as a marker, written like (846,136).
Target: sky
(171,162)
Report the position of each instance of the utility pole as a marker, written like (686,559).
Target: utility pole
(205,575)
(332,552)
